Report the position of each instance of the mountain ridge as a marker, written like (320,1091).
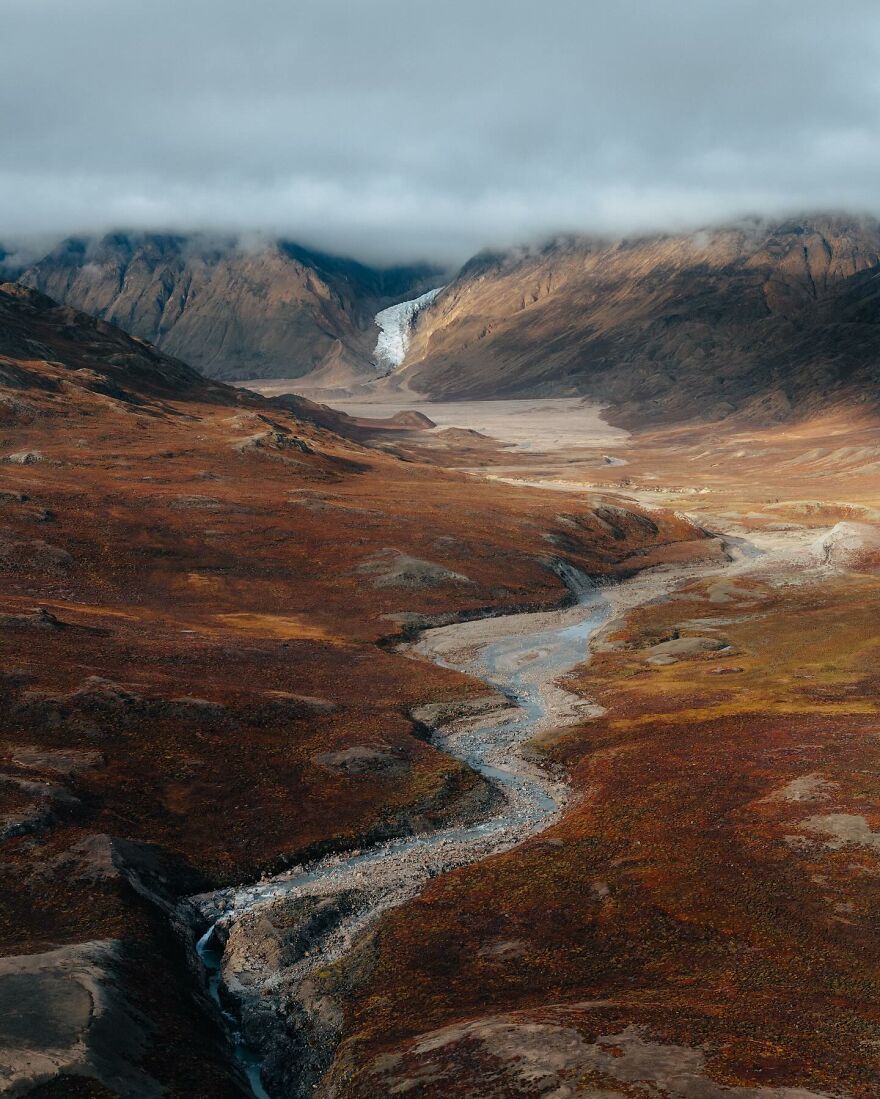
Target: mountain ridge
(758,319)
(48,346)
(761,319)
(233,308)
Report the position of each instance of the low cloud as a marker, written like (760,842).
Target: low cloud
(401,129)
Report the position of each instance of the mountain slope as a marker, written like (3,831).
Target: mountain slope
(775,320)
(233,311)
(54,348)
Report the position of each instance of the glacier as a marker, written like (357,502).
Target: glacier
(395,325)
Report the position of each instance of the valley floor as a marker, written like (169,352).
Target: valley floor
(203,686)
(700,922)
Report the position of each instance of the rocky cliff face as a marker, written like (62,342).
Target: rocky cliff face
(772,320)
(233,312)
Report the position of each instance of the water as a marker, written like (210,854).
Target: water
(249,1059)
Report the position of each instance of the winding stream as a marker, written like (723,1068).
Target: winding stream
(521,657)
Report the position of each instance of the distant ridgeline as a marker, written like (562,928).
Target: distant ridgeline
(770,321)
(234,311)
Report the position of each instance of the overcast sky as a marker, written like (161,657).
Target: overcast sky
(395,129)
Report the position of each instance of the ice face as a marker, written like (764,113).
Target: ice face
(395,324)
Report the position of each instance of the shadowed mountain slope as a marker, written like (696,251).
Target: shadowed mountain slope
(775,321)
(266,310)
(50,347)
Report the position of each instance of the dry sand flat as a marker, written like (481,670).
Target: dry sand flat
(530,425)
(727,474)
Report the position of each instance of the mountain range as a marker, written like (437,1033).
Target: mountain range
(770,320)
(767,320)
(233,309)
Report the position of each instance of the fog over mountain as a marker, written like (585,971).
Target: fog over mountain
(396,131)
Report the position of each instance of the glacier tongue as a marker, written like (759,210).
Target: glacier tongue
(395,324)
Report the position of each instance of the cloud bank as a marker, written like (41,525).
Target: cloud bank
(402,129)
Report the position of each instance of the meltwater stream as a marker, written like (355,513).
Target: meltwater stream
(520,656)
